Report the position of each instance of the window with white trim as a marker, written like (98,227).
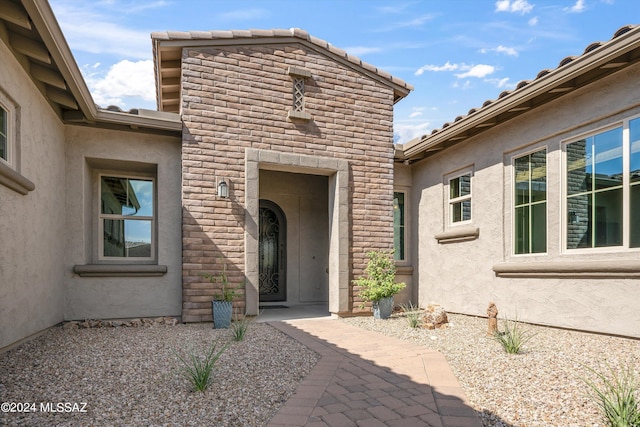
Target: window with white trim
(399,231)
(603,188)
(460,199)
(530,203)
(127,218)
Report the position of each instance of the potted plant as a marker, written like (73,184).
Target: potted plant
(379,284)
(222,303)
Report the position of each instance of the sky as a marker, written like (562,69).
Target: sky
(456,53)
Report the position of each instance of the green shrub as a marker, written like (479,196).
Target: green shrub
(197,369)
(239,328)
(380,280)
(513,337)
(412,313)
(617,397)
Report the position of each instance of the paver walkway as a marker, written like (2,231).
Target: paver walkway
(364,378)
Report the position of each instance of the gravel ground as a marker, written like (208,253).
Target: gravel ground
(130,376)
(541,387)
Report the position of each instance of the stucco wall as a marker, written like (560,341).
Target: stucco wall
(32,225)
(460,275)
(89,151)
(304,200)
(239,98)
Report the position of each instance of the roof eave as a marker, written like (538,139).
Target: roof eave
(48,28)
(164,42)
(615,48)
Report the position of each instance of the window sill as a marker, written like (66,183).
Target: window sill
(458,234)
(13,180)
(298,115)
(119,270)
(596,269)
(404,270)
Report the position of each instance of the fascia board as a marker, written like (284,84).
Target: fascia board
(139,121)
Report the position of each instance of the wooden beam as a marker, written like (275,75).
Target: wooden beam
(48,76)
(62,98)
(10,12)
(30,48)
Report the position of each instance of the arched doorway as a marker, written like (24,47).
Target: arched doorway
(272,252)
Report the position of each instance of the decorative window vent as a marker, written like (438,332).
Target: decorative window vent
(298,94)
(299,76)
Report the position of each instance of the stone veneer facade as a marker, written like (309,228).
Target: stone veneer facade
(236,102)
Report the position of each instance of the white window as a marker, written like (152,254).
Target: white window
(603,188)
(460,198)
(127,218)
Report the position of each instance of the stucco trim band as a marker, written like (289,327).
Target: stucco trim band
(14,180)
(119,270)
(601,269)
(458,234)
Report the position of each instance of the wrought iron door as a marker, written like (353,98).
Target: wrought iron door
(272,252)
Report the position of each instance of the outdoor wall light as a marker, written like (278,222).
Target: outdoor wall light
(223,189)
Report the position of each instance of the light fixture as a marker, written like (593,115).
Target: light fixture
(223,189)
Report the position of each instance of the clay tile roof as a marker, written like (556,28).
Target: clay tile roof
(511,103)
(167,47)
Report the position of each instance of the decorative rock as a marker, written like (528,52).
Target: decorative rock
(133,323)
(492,314)
(70,325)
(435,317)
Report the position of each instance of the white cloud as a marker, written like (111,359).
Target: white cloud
(576,8)
(479,71)
(465,85)
(516,6)
(88,30)
(361,50)
(533,21)
(501,49)
(123,80)
(415,114)
(501,83)
(416,22)
(408,131)
(446,67)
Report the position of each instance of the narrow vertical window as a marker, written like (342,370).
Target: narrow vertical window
(4,137)
(530,213)
(634,181)
(299,78)
(595,191)
(126,217)
(398,226)
(460,198)
(298,94)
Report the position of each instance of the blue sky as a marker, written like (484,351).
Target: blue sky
(456,53)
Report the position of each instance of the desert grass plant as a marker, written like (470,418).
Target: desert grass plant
(197,369)
(514,337)
(239,328)
(412,314)
(617,396)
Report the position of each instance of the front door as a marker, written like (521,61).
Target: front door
(272,252)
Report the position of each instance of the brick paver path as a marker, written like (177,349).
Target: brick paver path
(364,378)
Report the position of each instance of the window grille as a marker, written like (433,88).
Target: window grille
(298,94)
